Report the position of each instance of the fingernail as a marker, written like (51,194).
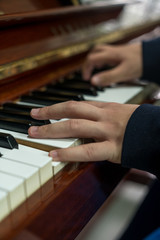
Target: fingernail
(33,130)
(53,154)
(35,111)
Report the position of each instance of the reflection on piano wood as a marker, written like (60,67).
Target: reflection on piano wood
(42,49)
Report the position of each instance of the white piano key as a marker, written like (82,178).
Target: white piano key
(26,172)
(30,104)
(49,143)
(57,166)
(4,207)
(33,157)
(117,94)
(15,188)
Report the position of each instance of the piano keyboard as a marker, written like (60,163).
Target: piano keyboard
(120,94)
(116,94)
(4,205)
(25,169)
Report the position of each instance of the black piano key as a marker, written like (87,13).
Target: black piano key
(102,69)
(76,86)
(18,107)
(49,96)
(8,141)
(39,100)
(16,125)
(51,92)
(77,78)
(82,83)
(76,89)
(74,96)
(22,116)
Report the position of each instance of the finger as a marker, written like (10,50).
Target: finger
(85,153)
(69,129)
(94,60)
(108,77)
(70,109)
(87,70)
(88,67)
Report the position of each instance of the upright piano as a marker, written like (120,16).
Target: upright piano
(43,45)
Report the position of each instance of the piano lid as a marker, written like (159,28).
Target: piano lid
(31,34)
(16,6)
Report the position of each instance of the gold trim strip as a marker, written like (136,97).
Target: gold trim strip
(17,67)
(75,2)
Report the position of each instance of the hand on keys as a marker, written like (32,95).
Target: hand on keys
(105,123)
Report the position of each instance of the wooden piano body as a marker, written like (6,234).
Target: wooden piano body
(41,42)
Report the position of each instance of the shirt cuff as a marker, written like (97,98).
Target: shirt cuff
(141,144)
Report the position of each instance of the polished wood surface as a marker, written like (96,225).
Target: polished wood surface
(48,24)
(73,198)
(16,6)
(67,202)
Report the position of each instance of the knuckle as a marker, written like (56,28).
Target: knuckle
(43,130)
(113,105)
(62,154)
(71,106)
(89,152)
(46,111)
(73,124)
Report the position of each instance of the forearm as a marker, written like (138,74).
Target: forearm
(141,145)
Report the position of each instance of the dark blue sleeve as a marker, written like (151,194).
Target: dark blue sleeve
(151,60)
(155,235)
(141,144)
